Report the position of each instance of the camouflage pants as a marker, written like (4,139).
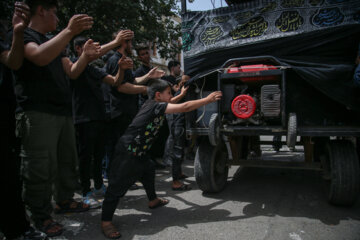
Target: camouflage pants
(49,161)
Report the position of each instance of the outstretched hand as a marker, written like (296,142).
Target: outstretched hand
(124,35)
(184,79)
(125,63)
(184,90)
(176,87)
(92,50)
(79,23)
(155,73)
(21,17)
(214,96)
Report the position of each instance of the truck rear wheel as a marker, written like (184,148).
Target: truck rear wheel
(292,131)
(211,171)
(214,133)
(344,172)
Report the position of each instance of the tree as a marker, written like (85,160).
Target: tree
(149,19)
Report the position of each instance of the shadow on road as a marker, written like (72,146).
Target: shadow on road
(286,193)
(250,193)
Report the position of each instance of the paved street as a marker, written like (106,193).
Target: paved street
(257,204)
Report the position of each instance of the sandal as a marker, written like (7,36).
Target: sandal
(71,206)
(160,203)
(183,187)
(49,226)
(110,231)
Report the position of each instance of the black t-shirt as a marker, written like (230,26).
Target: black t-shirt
(7,95)
(43,89)
(121,103)
(142,132)
(171,79)
(106,92)
(141,71)
(87,96)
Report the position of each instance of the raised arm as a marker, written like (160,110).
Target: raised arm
(43,54)
(194,104)
(153,73)
(129,88)
(91,52)
(14,58)
(124,63)
(121,37)
(182,94)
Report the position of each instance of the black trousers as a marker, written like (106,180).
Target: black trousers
(91,142)
(124,171)
(176,143)
(13,220)
(117,127)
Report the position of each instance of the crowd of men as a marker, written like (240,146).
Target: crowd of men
(68,115)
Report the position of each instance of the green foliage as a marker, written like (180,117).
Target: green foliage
(149,19)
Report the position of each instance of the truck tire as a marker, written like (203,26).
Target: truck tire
(292,131)
(345,176)
(214,134)
(210,170)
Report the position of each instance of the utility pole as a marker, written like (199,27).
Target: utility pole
(183,6)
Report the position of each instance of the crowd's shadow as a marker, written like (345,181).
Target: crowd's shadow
(285,193)
(263,192)
(259,192)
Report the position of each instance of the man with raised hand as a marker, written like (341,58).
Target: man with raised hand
(44,119)
(124,98)
(89,116)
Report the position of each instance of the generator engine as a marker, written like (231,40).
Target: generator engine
(253,99)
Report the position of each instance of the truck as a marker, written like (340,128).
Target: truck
(285,68)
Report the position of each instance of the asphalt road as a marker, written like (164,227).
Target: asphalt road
(256,204)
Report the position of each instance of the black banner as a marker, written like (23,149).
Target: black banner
(317,38)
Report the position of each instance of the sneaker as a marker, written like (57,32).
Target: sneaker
(91,201)
(32,234)
(99,192)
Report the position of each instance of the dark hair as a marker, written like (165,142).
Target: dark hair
(173,63)
(47,4)
(156,85)
(79,41)
(141,47)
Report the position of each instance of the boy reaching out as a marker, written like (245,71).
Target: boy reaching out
(130,162)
